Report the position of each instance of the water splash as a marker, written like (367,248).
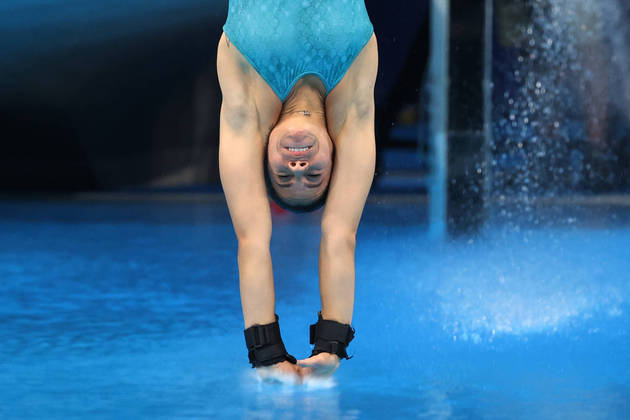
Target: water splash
(532,284)
(561,94)
(561,75)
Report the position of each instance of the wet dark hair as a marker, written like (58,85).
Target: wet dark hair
(295,208)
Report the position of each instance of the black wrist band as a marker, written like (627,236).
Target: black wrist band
(265,345)
(331,337)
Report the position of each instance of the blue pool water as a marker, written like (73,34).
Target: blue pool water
(127,310)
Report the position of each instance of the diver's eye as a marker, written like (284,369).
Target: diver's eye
(284,177)
(313,177)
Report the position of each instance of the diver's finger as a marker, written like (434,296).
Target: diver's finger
(311,361)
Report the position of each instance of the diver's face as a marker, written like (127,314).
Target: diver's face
(300,160)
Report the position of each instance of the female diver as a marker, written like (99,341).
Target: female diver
(297,125)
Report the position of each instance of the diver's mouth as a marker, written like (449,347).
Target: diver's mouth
(298,144)
(298,151)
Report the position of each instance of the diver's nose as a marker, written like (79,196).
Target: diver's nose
(298,165)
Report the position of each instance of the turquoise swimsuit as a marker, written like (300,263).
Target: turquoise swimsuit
(285,40)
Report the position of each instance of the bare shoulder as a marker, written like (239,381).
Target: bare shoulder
(245,94)
(232,71)
(367,67)
(353,97)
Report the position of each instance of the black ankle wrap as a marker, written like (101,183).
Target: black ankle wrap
(265,345)
(331,337)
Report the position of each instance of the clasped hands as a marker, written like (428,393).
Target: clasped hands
(320,366)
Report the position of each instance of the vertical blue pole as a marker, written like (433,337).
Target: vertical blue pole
(438,116)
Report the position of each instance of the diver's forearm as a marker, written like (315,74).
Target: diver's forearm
(336,277)
(256,283)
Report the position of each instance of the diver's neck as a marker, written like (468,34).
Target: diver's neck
(307,97)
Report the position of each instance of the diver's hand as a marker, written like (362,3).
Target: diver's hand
(321,365)
(282,372)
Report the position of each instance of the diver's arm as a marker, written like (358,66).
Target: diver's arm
(241,151)
(352,177)
(351,124)
(240,166)
(350,184)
